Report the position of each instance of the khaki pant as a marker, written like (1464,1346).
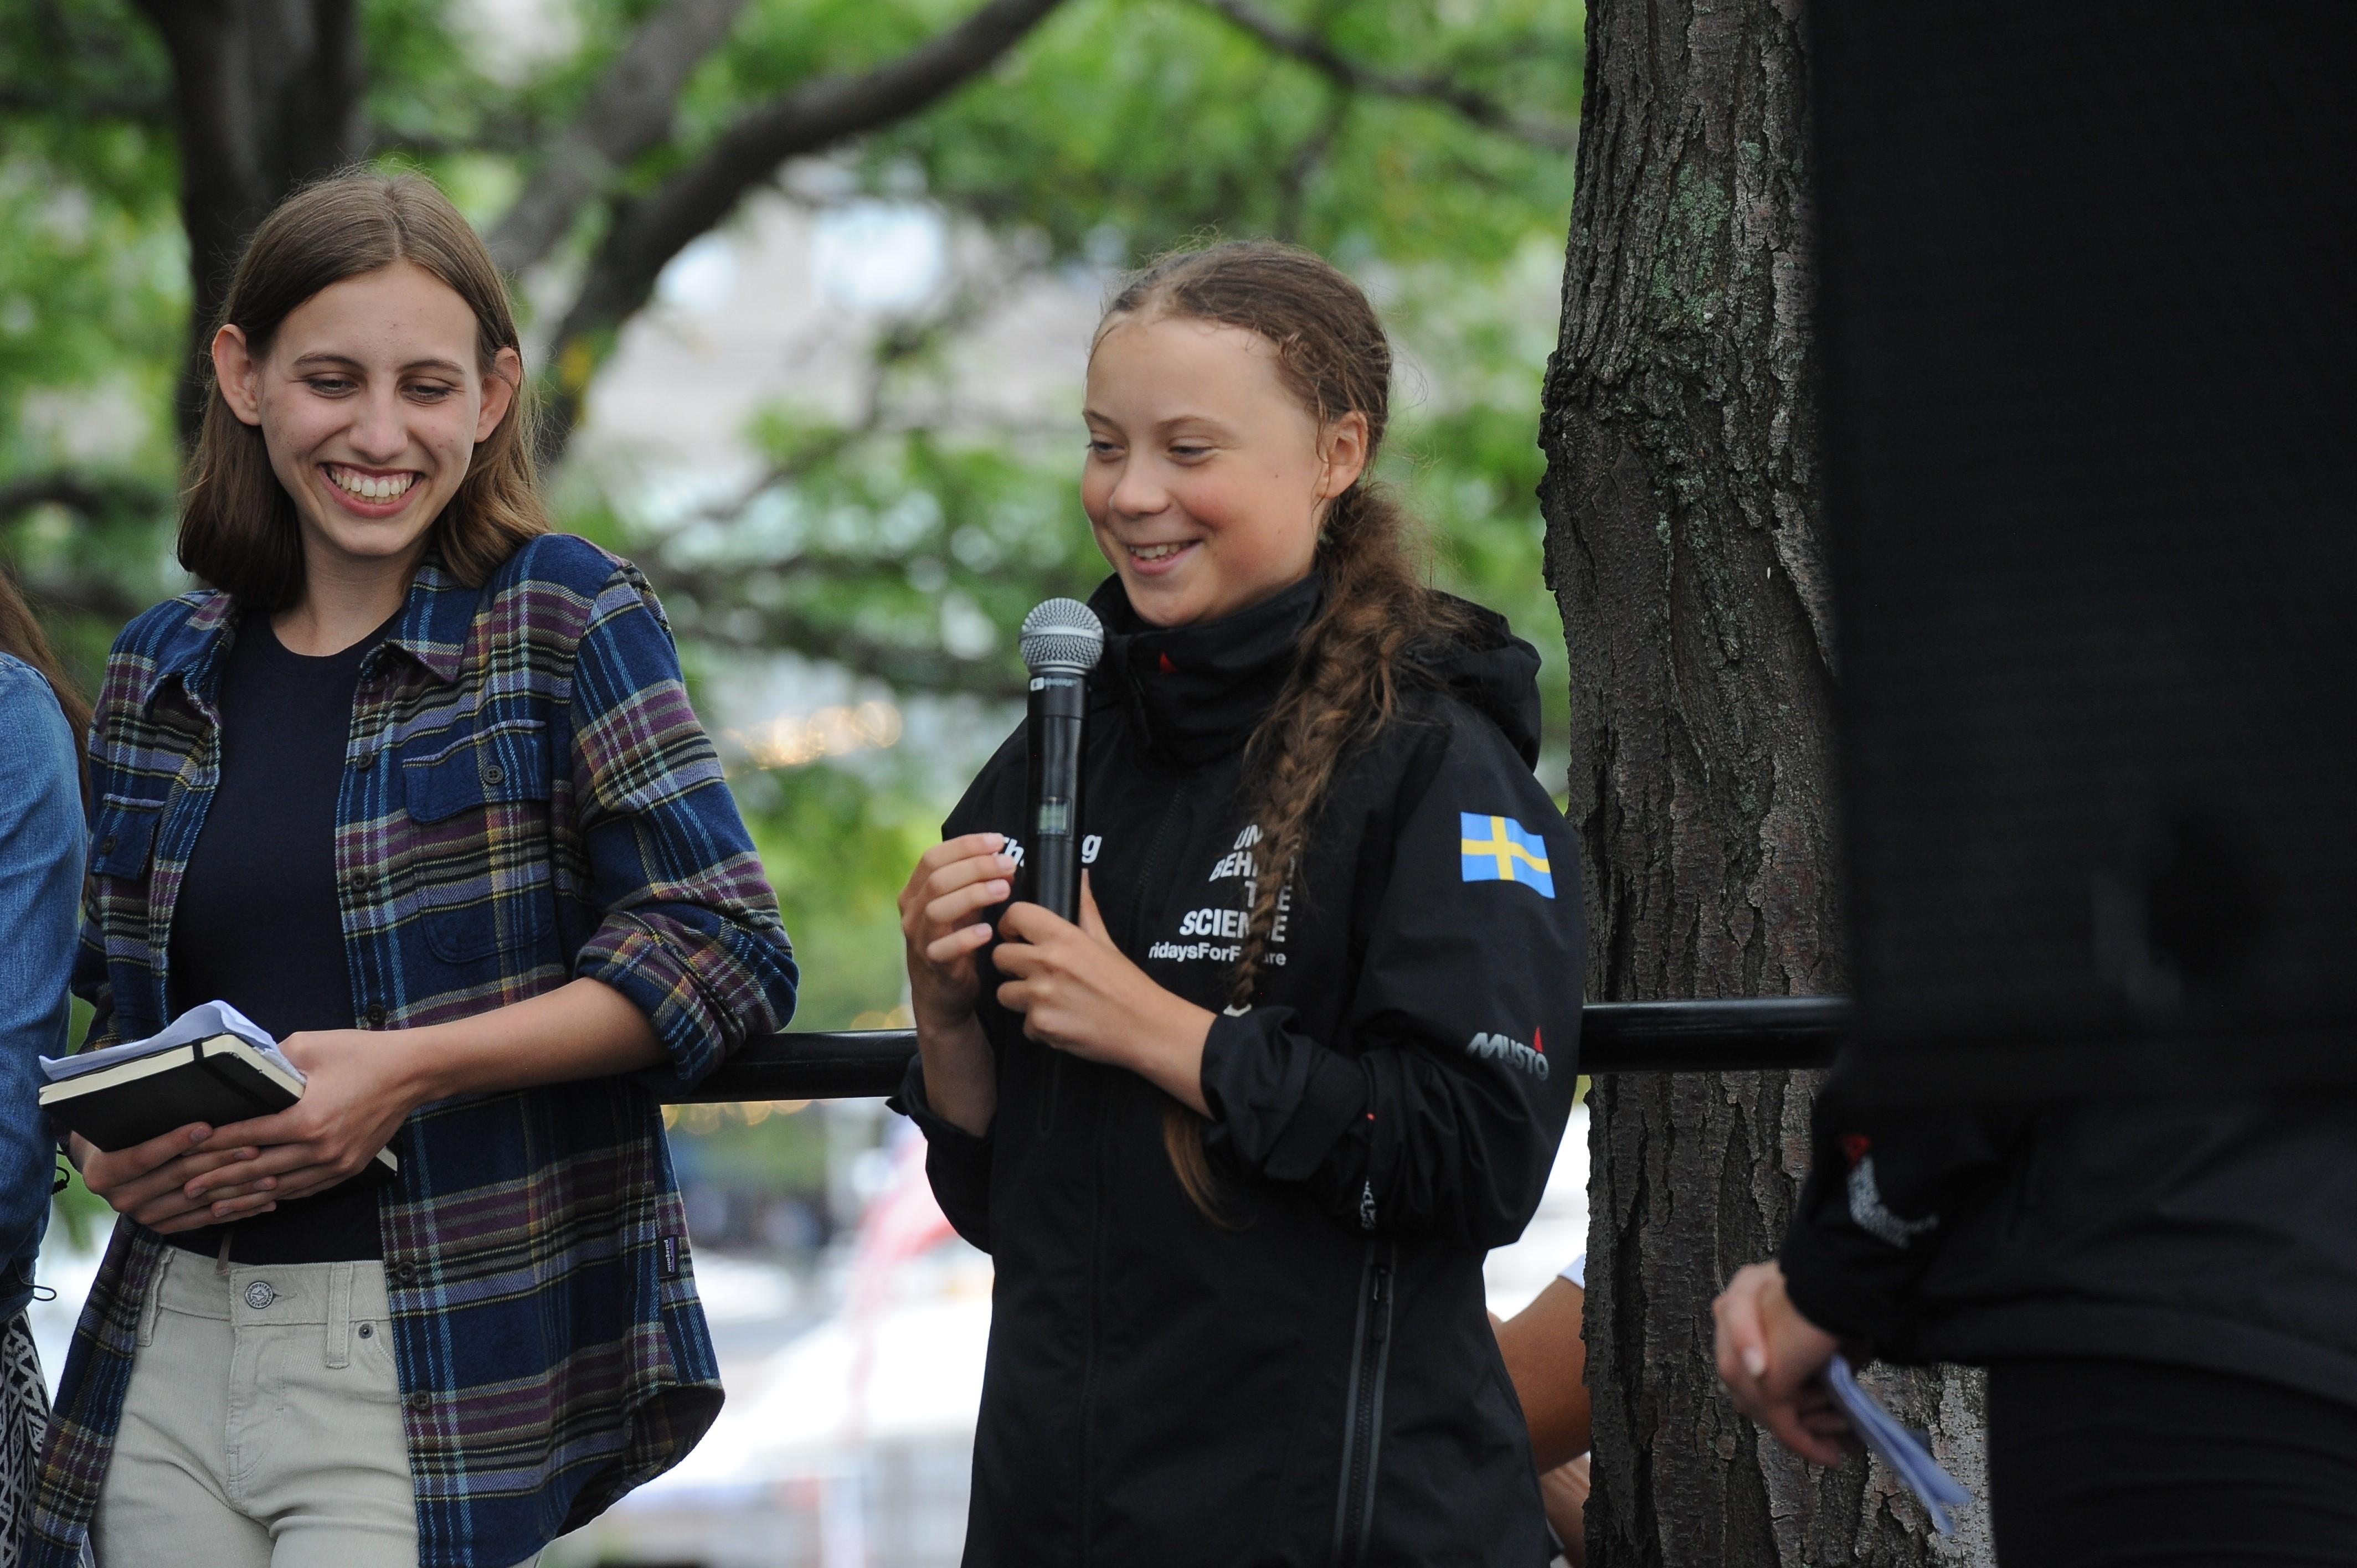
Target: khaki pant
(261,1428)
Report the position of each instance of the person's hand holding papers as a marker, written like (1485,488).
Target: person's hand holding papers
(1769,1357)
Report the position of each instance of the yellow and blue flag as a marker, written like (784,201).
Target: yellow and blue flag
(1500,849)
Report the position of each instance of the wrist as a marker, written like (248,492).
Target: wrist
(424,1065)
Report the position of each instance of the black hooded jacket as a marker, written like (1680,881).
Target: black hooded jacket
(1316,1382)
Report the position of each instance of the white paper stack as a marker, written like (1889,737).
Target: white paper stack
(1902,1448)
(200,1023)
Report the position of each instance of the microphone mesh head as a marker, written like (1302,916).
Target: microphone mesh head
(1064,635)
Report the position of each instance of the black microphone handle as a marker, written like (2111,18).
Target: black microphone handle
(1052,808)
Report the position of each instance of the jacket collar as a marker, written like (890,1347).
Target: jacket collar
(432,628)
(1196,692)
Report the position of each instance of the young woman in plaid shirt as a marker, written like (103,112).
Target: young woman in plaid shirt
(415,783)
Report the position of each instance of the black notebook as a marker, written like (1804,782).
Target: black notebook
(219,1079)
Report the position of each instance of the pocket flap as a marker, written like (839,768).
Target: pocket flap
(498,764)
(125,834)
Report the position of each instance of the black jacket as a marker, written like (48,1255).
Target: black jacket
(2219,1234)
(1320,1383)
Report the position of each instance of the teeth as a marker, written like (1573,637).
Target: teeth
(370,487)
(1156,551)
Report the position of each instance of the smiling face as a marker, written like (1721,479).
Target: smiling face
(1206,479)
(371,401)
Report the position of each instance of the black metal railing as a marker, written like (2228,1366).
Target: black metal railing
(1614,1037)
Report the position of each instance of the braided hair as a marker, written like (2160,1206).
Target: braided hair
(1332,355)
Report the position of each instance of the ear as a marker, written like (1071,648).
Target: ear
(1344,449)
(238,374)
(499,393)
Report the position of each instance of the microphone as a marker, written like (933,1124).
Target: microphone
(1062,640)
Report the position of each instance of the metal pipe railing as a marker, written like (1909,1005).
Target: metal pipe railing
(1769,1032)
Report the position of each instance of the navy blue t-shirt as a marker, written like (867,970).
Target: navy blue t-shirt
(256,924)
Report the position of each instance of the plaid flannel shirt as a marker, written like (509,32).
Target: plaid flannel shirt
(529,799)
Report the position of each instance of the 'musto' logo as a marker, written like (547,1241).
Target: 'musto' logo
(1530,1059)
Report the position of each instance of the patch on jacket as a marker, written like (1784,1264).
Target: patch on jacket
(1500,849)
(1871,1215)
(1530,1059)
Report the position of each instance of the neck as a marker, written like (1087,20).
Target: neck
(344,599)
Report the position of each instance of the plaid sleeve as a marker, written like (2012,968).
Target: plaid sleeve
(689,931)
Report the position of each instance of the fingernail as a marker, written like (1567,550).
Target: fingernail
(198,1135)
(267,1183)
(1755,1361)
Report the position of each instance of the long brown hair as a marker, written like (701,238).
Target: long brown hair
(238,530)
(1332,355)
(21,634)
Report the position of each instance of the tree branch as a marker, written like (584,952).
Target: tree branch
(628,112)
(1471,102)
(91,497)
(647,233)
(907,667)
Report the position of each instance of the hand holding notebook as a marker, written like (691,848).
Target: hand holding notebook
(212,1064)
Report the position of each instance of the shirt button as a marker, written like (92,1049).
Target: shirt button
(405,1272)
(376,1017)
(106,844)
(494,774)
(420,1401)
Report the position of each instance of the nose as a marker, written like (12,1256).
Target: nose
(378,434)
(1139,491)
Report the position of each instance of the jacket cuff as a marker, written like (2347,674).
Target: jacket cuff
(957,1163)
(909,1100)
(1278,1101)
(1859,1300)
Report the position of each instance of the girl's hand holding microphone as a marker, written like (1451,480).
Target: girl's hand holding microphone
(1079,992)
(955,882)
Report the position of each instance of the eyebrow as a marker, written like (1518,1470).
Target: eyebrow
(448,367)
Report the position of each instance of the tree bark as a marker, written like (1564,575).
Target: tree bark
(265,95)
(1684,549)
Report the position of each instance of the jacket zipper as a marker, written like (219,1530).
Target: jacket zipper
(1354,1510)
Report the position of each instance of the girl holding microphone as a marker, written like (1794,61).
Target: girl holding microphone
(1239,1139)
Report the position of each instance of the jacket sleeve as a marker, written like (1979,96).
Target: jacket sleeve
(1884,1187)
(957,1163)
(689,929)
(1442,1111)
(41,854)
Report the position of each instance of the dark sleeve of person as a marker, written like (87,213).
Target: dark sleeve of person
(1884,1185)
(956,1162)
(1446,1118)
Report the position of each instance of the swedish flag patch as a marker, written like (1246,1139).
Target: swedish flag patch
(1500,849)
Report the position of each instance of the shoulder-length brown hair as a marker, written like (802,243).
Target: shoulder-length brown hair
(238,529)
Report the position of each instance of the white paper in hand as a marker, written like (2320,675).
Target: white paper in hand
(199,1023)
(1902,1448)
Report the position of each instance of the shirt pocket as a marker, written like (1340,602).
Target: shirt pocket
(123,839)
(480,843)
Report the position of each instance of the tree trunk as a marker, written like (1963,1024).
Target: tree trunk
(1684,549)
(266,94)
